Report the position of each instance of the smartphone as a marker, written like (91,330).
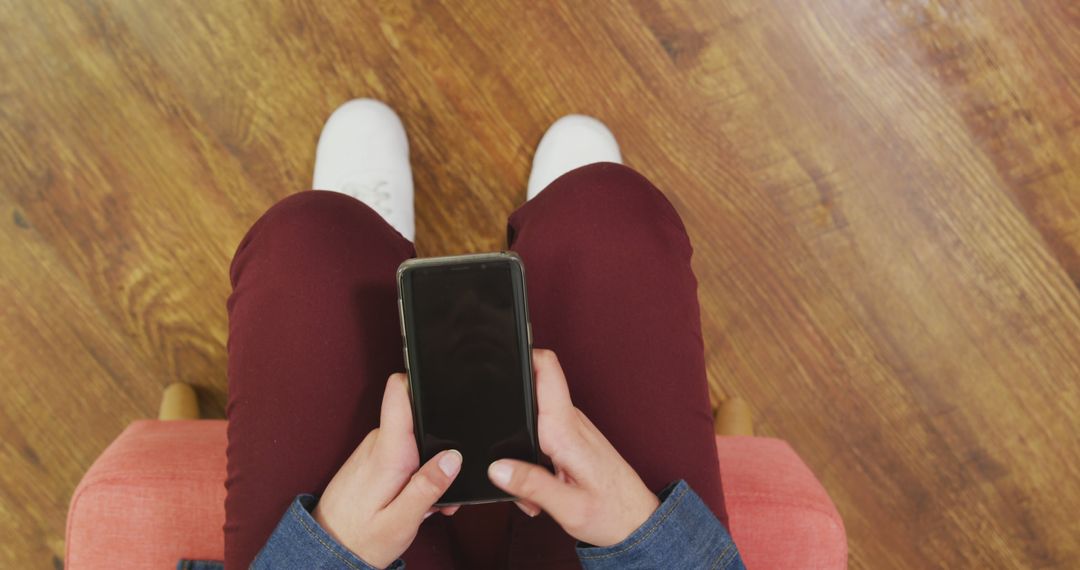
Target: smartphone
(467,344)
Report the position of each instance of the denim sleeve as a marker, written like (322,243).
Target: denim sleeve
(299,542)
(682,533)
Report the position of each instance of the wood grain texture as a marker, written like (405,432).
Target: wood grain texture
(884,198)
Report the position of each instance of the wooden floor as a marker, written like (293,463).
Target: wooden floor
(884,196)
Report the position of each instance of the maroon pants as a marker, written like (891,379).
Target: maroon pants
(313,336)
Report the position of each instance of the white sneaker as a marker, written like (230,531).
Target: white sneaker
(571,142)
(363,152)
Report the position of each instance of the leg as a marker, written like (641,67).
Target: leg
(734,418)
(611,291)
(179,402)
(313,336)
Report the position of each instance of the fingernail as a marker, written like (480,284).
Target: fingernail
(527,509)
(500,473)
(428,514)
(450,462)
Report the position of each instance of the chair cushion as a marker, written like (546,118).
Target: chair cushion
(157,494)
(780,515)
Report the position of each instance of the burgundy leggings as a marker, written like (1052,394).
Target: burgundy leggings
(313,336)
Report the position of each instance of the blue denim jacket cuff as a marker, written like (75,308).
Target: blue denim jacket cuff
(299,542)
(681,533)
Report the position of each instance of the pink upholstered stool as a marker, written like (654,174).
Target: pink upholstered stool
(157,494)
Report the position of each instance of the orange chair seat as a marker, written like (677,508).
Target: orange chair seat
(157,494)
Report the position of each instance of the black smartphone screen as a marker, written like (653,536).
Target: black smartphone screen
(470,371)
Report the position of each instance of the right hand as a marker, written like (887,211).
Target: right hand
(595,496)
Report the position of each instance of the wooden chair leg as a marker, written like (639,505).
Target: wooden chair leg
(733,417)
(179,402)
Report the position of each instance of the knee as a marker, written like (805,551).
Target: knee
(318,227)
(313,214)
(324,219)
(614,193)
(607,204)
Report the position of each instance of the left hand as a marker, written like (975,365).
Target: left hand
(375,503)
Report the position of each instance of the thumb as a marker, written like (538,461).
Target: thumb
(424,488)
(537,485)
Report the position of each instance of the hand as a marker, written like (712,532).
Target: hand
(375,503)
(595,496)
